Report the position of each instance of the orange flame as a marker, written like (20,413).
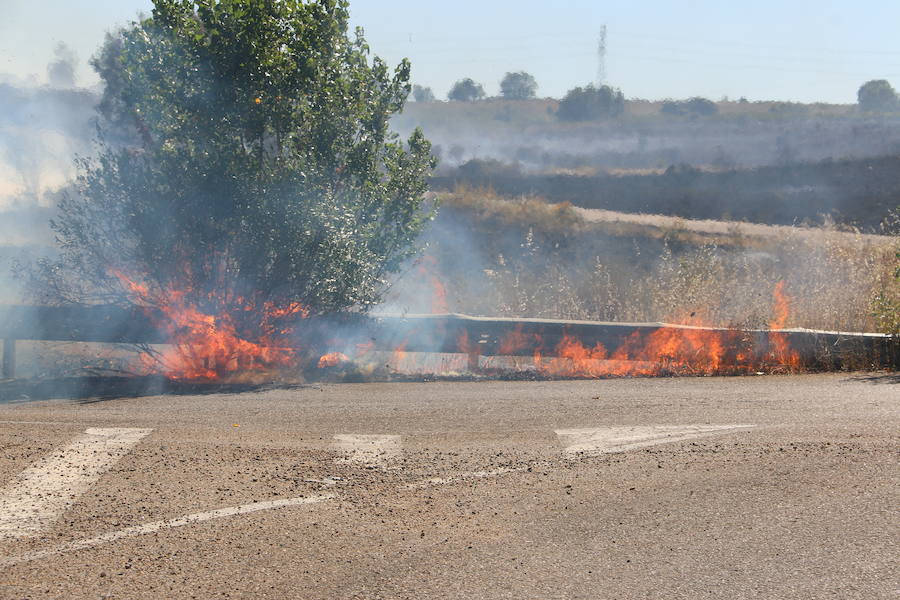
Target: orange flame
(332,359)
(462,343)
(427,269)
(516,340)
(781,351)
(668,349)
(209,347)
(689,349)
(399,355)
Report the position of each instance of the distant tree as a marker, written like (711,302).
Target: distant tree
(590,103)
(877,96)
(701,107)
(518,86)
(696,106)
(466,90)
(672,108)
(422,94)
(789,109)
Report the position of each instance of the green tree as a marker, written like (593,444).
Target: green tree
(702,107)
(245,160)
(590,104)
(466,90)
(877,96)
(422,94)
(518,86)
(694,107)
(674,108)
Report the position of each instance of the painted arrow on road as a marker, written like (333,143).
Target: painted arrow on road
(601,440)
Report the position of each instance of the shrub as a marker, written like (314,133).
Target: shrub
(591,104)
(466,90)
(246,161)
(877,96)
(518,86)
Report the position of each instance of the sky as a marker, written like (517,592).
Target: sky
(792,50)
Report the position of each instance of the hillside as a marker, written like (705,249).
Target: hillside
(520,256)
(741,135)
(857,192)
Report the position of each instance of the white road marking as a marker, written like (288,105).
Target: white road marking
(43,491)
(600,440)
(39,423)
(368,449)
(159,525)
(464,476)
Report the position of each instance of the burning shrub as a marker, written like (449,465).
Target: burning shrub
(245,168)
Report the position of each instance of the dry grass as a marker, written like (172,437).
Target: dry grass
(542,260)
(484,204)
(757,109)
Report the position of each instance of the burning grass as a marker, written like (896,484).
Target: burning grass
(524,258)
(689,349)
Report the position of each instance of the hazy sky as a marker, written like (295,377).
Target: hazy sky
(803,50)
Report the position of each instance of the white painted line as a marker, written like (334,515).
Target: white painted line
(155,526)
(600,440)
(39,423)
(43,491)
(464,476)
(368,449)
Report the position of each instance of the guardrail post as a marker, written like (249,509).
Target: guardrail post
(9,358)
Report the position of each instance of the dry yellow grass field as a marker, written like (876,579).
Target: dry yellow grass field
(586,264)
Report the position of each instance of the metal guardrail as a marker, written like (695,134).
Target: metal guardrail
(451,333)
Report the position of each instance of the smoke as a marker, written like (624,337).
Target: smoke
(764,162)
(538,262)
(42,129)
(505,257)
(61,71)
(743,135)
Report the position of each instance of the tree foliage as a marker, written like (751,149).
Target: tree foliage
(245,156)
(518,86)
(422,94)
(590,104)
(692,107)
(877,96)
(466,90)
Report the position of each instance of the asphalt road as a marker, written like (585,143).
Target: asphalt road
(748,487)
